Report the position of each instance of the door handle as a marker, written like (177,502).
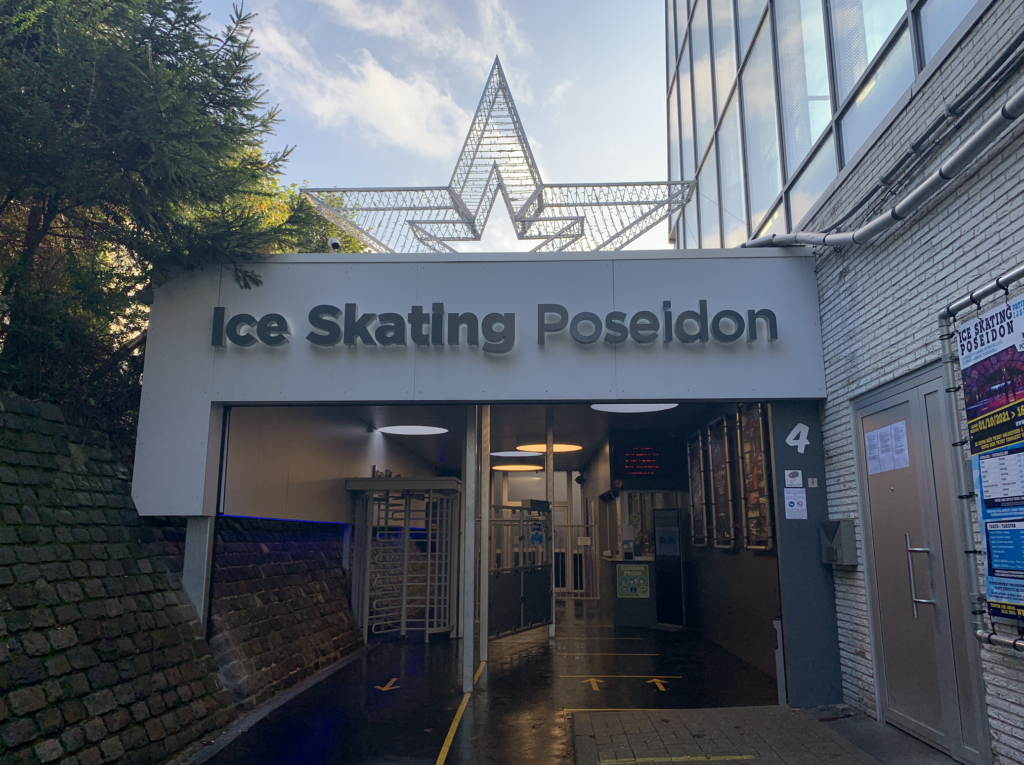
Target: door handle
(914,600)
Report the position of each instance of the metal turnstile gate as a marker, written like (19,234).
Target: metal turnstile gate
(519,571)
(405,554)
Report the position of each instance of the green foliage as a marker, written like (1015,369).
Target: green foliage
(132,146)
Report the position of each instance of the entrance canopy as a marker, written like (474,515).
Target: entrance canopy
(464,328)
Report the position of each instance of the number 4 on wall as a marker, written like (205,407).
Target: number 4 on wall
(798,437)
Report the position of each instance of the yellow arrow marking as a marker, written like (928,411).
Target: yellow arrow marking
(658,682)
(593,682)
(389,687)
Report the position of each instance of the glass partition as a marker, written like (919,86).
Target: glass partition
(938,20)
(749,14)
(730,163)
(703,97)
(686,113)
(859,30)
(803,75)
(724,36)
(813,181)
(761,128)
(878,95)
(707,190)
(674,168)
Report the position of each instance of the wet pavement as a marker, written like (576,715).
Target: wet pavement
(521,709)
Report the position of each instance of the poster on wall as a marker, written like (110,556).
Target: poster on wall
(698,499)
(992,367)
(758,533)
(723,524)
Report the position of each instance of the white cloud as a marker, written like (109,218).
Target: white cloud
(411,113)
(557,93)
(431,29)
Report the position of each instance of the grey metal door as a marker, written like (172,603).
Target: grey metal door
(519,571)
(927,667)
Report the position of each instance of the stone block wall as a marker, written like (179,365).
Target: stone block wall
(280,604)
(101,657)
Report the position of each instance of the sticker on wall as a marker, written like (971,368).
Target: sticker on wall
(796,504)
(794,479)
(887,448)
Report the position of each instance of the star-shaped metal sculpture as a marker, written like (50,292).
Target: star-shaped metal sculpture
(496,159)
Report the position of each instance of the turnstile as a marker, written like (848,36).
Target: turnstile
(519,570)
(405,554)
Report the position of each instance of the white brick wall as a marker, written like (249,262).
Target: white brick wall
(879,306)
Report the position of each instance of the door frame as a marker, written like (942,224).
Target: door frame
(958,612)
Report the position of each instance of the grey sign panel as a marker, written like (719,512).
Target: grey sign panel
(607,339)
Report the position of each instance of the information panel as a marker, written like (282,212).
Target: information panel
(992,366)
(633,580)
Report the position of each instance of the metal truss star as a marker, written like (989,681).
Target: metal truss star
(496,160)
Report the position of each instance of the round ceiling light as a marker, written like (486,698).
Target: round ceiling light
(412,430)
(542,448)
(517,468)
(517,454)
(632,408)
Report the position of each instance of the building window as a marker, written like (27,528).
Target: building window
(686,113)
(859,30)
(813,181)
(707,191)
(703,97)
(722,32)
(774,96)
(730,164)
(749,13)
(673,134)
(803,75)
(774,223)
(670,38)
(939,18)
(690,226)
(878,95)
(761,128)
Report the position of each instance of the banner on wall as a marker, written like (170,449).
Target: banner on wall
(992,367)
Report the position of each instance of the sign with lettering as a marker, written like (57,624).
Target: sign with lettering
(992,367)
(456,328)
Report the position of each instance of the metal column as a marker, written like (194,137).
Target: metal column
(485,522)
(469,492)
(549,495)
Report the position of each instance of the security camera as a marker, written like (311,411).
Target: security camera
(335,243)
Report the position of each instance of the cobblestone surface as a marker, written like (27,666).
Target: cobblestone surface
(740,734)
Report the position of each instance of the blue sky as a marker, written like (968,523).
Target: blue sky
(381,93)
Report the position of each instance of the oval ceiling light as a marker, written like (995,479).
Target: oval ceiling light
(542,448)
(412,430)
(517,468)
(632,408)
(517,454)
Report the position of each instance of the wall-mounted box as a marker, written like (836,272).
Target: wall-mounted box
(838,543)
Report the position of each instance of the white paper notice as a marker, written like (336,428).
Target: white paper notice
(796,504)
(885,459)
(900,451)
(871,443)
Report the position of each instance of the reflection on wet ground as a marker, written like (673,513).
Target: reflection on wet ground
(520,710)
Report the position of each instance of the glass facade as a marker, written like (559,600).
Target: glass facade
(769,99)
